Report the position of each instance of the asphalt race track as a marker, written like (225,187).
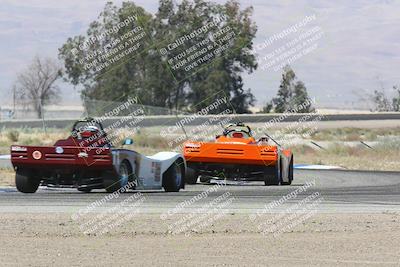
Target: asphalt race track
(340,191)
(246,118)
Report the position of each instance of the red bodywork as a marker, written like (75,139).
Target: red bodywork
(73,161)
(69,158)
(73,155)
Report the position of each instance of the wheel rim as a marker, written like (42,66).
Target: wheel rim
(123,174)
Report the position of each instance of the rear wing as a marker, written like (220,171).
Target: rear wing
(67,156)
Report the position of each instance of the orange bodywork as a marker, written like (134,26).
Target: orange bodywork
(230,150)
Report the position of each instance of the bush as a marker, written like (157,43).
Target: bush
(153,141)
(13,135)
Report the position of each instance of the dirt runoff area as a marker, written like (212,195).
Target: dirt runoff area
(34,239)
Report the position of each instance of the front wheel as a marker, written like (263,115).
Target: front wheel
(174,176)
(25,182)
(112,182)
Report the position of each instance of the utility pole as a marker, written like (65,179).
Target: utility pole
(14,102)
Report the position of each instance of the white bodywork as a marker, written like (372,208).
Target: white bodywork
(147,170)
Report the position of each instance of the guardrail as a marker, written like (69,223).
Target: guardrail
(169,120)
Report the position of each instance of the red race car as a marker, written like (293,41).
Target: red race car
(87,160)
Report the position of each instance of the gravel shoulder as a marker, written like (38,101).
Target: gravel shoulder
(43,239)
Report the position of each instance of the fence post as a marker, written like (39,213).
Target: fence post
(315,144)
(365,144)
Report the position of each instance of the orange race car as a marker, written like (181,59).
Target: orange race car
(237,155)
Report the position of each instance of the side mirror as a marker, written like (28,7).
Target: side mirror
(127,141)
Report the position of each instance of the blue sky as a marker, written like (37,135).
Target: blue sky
(359,49)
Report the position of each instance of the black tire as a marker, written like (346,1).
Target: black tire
(191,176)
(275,178)
(174,177)
(113,182)
(26,183)
(290,173)
(84,189)
(291,170)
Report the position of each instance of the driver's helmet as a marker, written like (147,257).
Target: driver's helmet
(237,130)
(89,130)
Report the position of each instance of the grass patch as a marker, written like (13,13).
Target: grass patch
(384,157)
(12,135)
(7,177)
(29,137)
(353,134)
(142,139)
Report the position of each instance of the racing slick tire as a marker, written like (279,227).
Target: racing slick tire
(275,178)
(191,176)
(290,173)
(84,189)
(25,182)
(174,177)
(112,182)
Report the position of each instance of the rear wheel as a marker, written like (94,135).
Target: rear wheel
(174,176)
(290,173)
(82,183)
(275,178)
(191,176)
(114,182)
(25,182)
(84,189)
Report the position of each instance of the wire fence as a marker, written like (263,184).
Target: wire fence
(89,108)
(48,113)
(98,108)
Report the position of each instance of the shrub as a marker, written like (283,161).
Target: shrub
(13,135)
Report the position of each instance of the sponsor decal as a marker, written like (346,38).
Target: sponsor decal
(19,148)
(83,155)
